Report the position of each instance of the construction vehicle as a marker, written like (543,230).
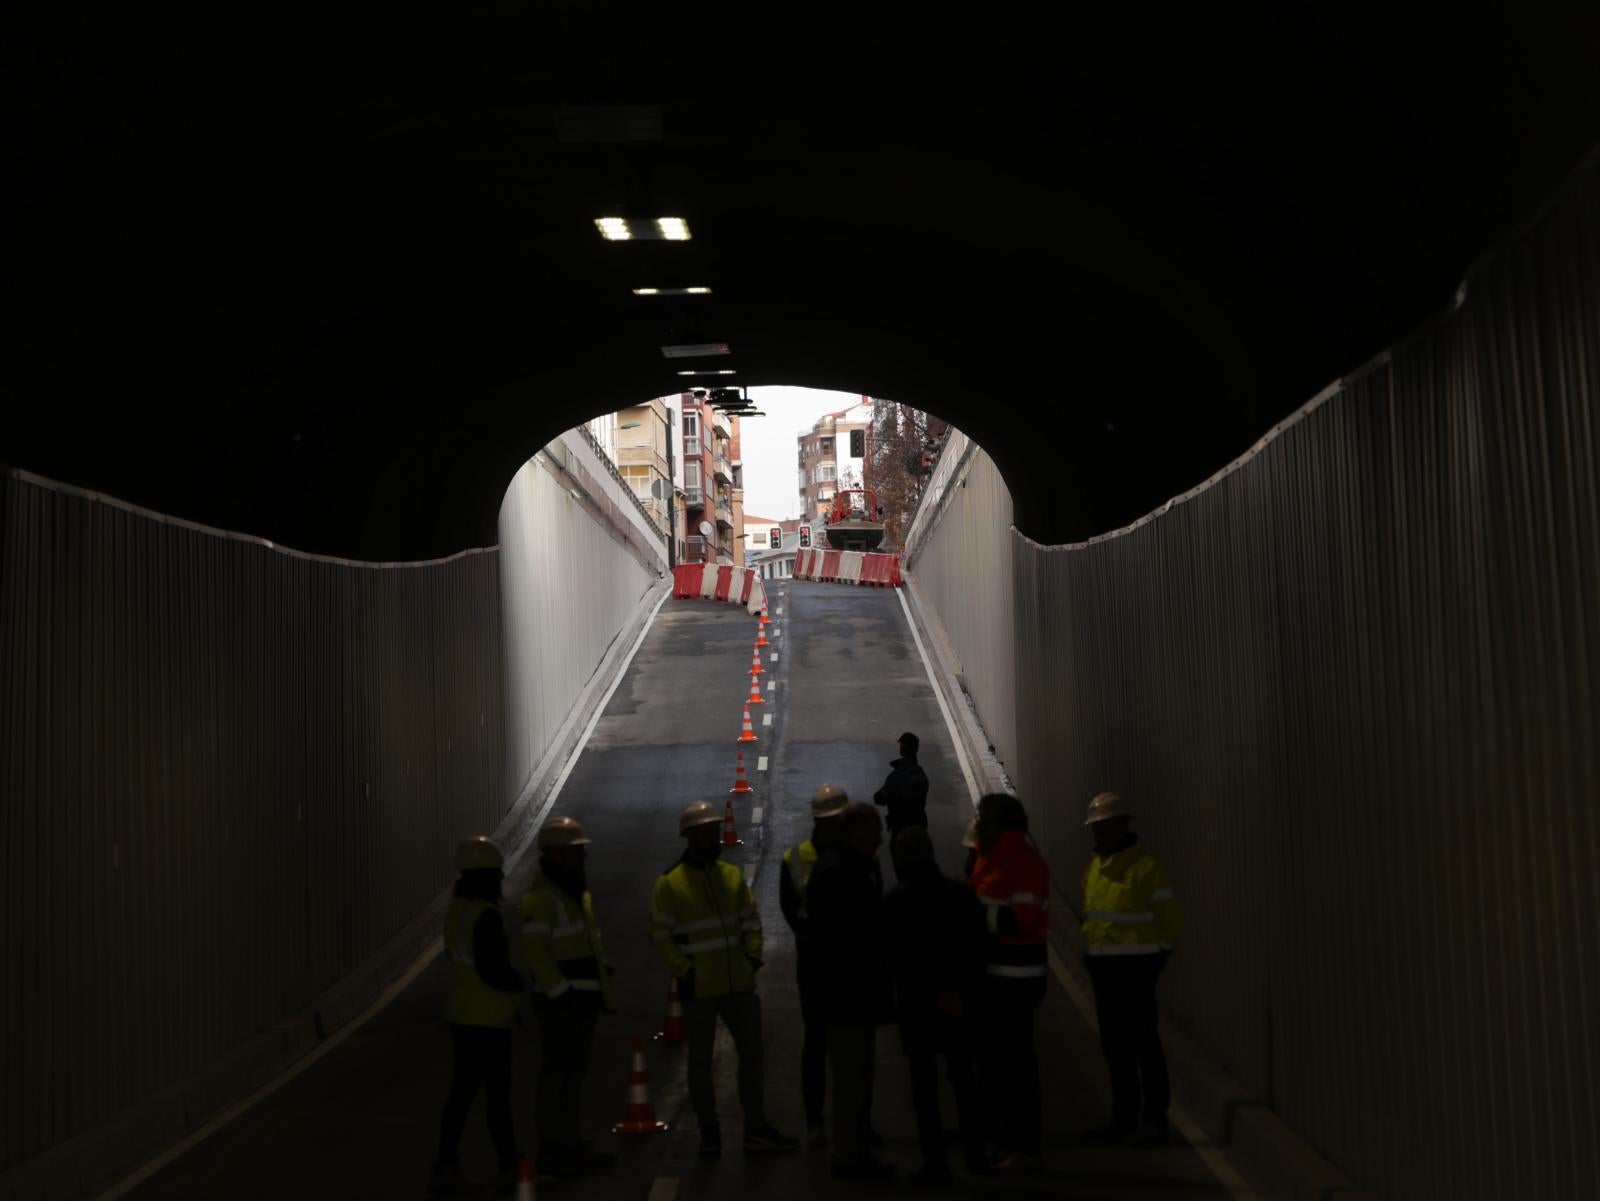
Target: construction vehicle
(856,520)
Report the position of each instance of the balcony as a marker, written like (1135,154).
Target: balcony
(724,512)
(691,446)
(721,424)
(694,496)
(722,469)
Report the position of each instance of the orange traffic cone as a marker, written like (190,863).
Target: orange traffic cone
(641,1114)
(748,734)
(675,1029)
(525,1190)
(755,662)
(755,697)
(730,832)
(761,636)
(765,620)
(741,784)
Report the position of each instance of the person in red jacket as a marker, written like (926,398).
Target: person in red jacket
(1012,881)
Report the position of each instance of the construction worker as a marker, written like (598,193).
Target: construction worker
(905,792)
(708,932)
(843,900)
(934,937)
(1131,922)
(1012,881)
(564,954)
(484,992)
(827,804)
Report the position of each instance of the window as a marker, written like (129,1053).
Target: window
(691,475)
(691,425)
(827,445)
(691,446)
(824,471)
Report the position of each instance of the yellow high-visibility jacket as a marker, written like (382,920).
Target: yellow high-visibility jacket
(561,943)
(1128,905)
(470,1001)
(705,920)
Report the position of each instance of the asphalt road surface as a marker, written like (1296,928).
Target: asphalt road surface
(844,679)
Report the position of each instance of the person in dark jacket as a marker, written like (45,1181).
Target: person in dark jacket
(844,900)
(904,794)
(933,929)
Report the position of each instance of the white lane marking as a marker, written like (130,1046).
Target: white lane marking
(122,1187)
(665,1188)
(755,816)
(767,720)
(777,633)
(1213,1158)
(774,656)
(772,685)
(761,763)
(949,720)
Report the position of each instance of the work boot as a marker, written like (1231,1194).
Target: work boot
(447,1181)
(710,1142)
(768,1138)
(816,1137)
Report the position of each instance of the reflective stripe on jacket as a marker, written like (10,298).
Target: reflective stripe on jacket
(1014,878)
(704,919)
(1128,905)
(469,1001)
(561,944)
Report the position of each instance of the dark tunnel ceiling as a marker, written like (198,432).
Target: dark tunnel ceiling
(330,279)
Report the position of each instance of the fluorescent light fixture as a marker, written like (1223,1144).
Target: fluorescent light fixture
(660,229)
(672,291)
(724,371)
(696,350)
(698,291)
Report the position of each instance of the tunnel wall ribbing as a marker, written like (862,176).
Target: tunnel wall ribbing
(228,771)
(1350,687)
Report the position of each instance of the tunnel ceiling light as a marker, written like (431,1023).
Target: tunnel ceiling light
(624,229)
(672,291)
(724,371)
(696,350)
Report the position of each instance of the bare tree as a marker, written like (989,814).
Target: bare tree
(904,443)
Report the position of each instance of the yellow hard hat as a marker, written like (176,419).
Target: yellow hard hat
(828,801)
(1106,806)
(699,813)
(562,832)
(479,852)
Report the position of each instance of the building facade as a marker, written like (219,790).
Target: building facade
(642,436)
(833,454)
(710,481)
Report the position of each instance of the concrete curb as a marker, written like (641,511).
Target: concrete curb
(107,1153)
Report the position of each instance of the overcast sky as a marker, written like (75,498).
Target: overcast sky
(767,444)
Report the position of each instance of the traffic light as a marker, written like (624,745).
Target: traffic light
(805,537)
(775,537)
(858,444)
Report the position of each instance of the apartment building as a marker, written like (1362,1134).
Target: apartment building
(833,454)
(710,482)
(641,436)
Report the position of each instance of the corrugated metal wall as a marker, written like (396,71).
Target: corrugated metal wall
(960,550)
(225,775)
(1350,687)
(568,587)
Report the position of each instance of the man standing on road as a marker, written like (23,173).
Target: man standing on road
(708,932)
(904,793)
(937,949)
(843,901)
(1131,922)
(827,806)
(482,1000)
(1012,881)
(563,951)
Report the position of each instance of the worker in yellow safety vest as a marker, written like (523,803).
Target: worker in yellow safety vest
(1131,922)
(707,930)
(480,1004)
(565,956)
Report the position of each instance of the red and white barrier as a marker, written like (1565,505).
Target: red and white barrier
(719,582)
(848,567)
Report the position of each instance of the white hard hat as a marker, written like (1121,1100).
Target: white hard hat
(479,852)
(698,813)
(828,801)
(562,832)
(1106,806)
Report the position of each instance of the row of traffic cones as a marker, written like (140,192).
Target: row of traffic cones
(747,732)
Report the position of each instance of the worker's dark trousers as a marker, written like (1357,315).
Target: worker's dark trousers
(924,1042)
(741,1013)
(1125,1003)
(813,1046)
(1008,1065)
(483,1060)
(566,1034)
(851,1050)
